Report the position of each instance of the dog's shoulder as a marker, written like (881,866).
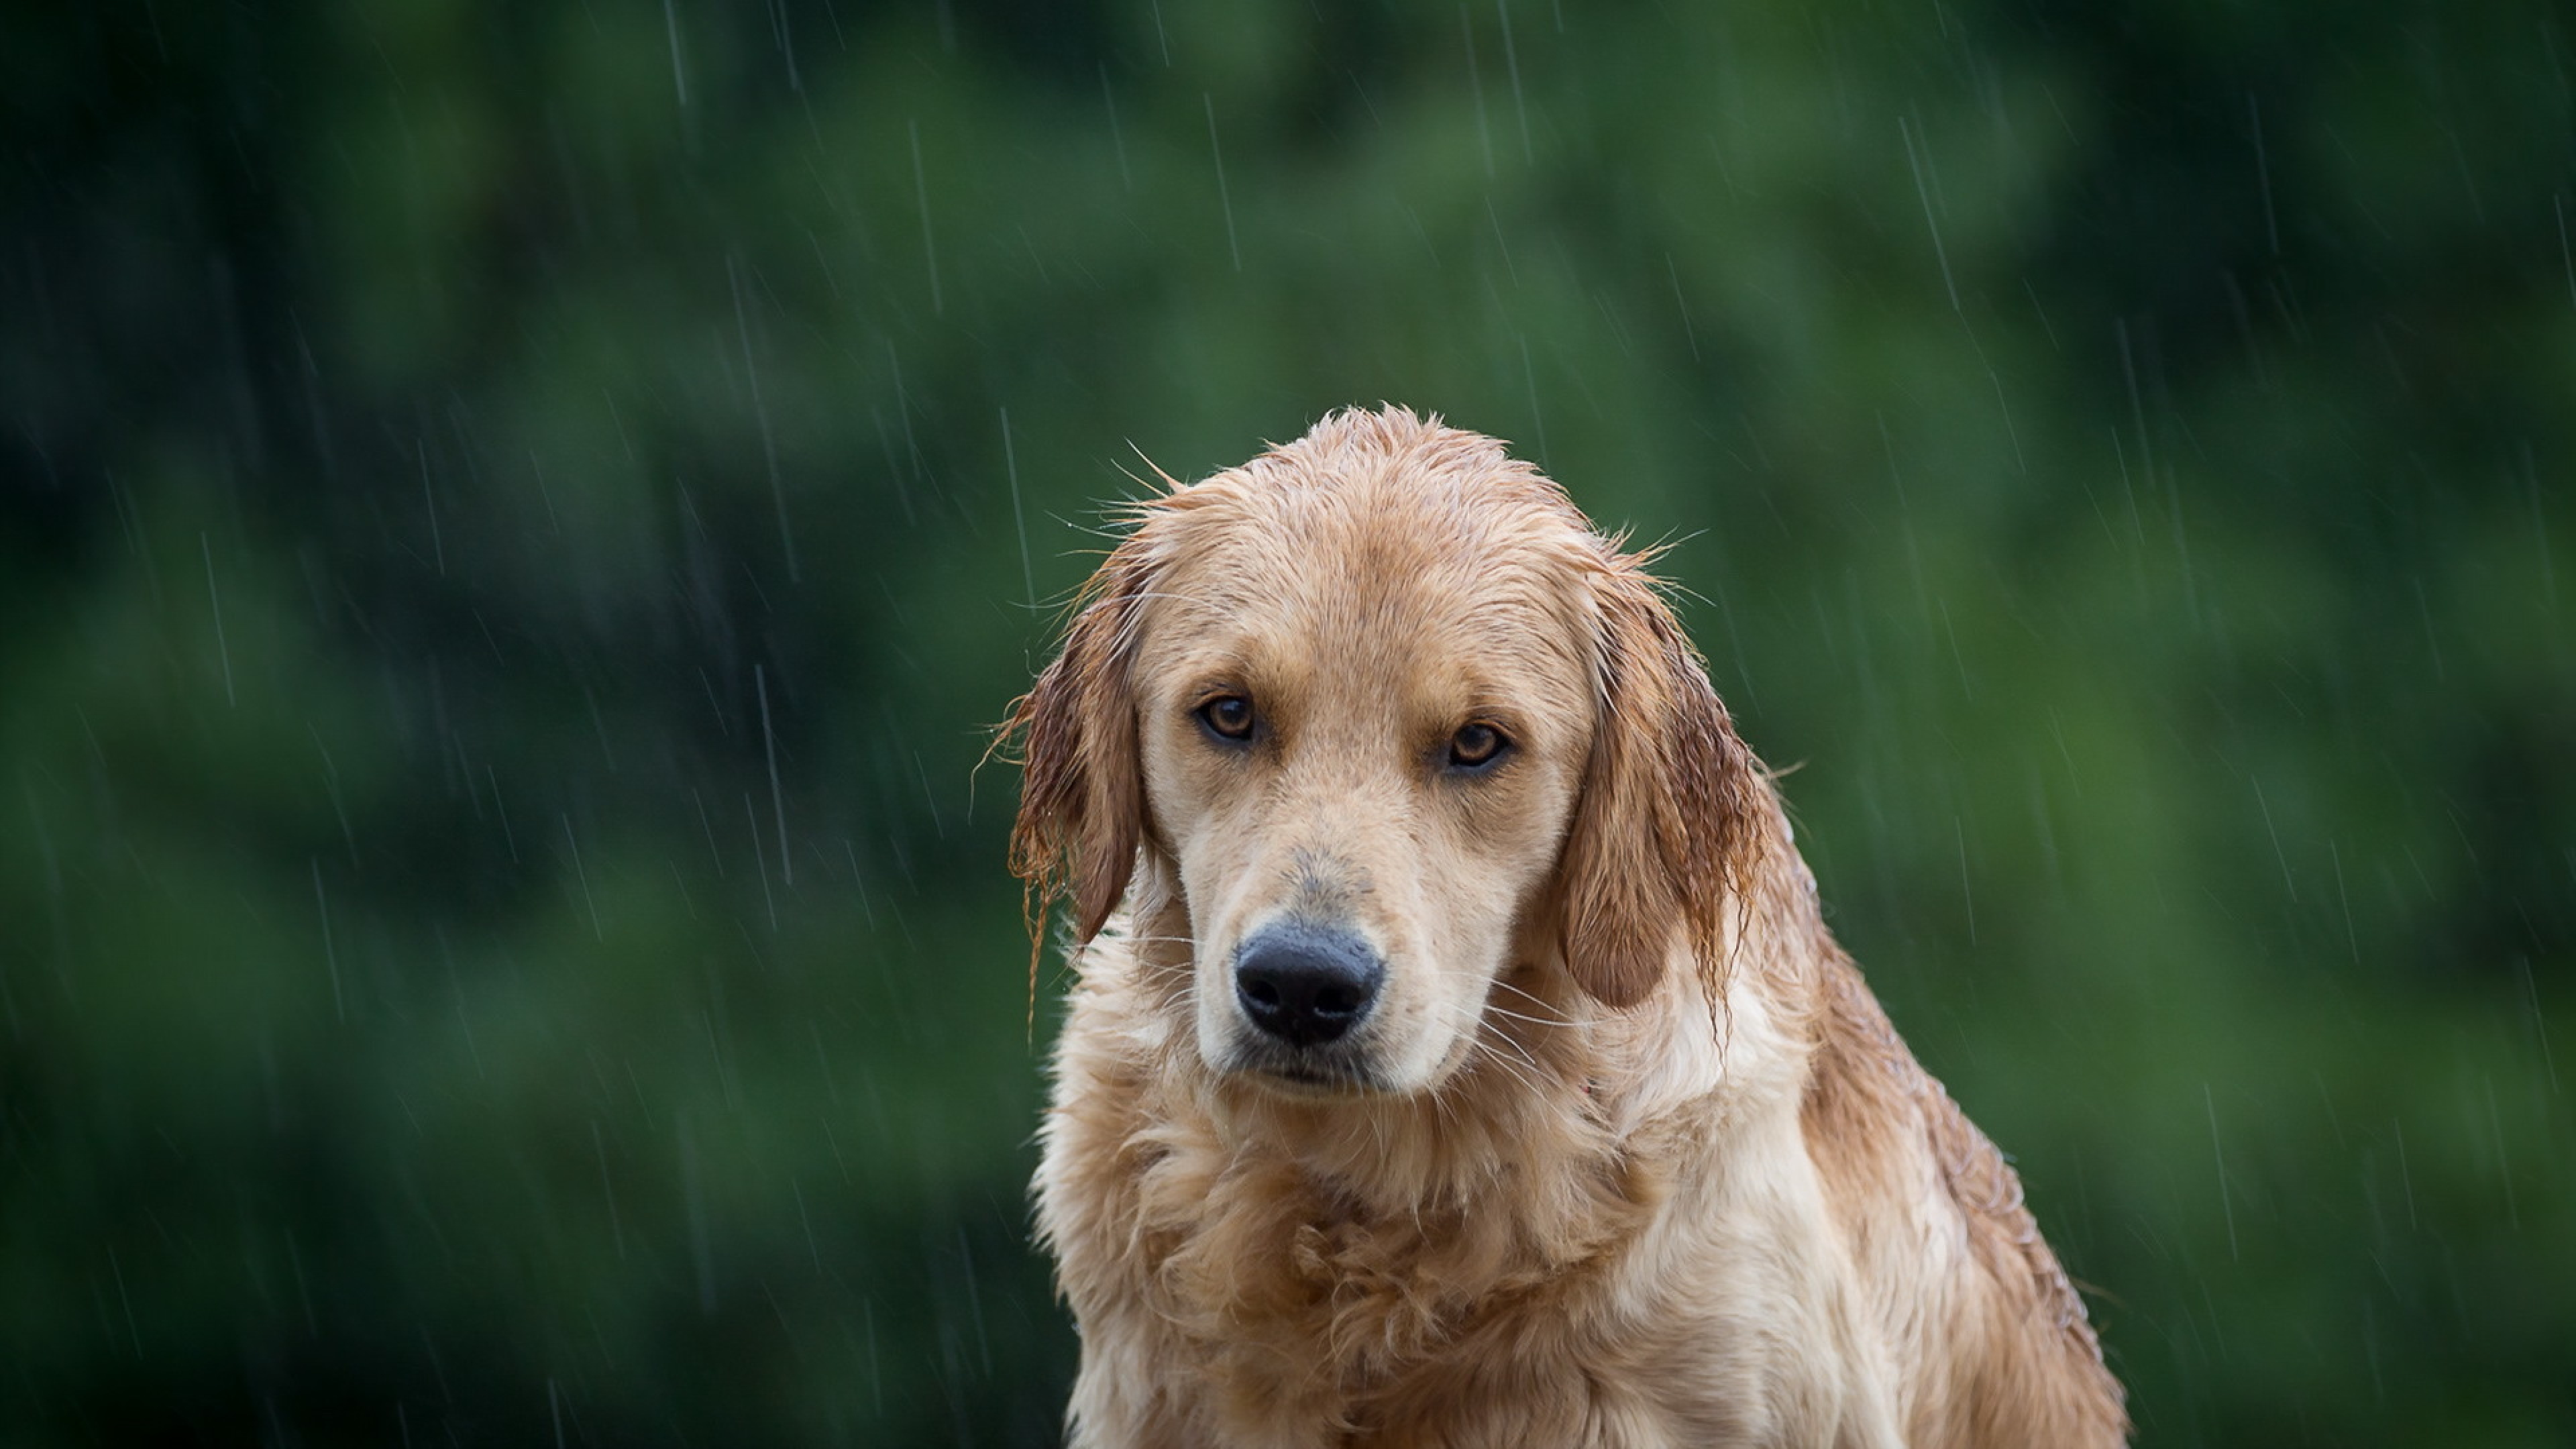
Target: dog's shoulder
(1911,1172)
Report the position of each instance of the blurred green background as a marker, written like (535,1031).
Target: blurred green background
(515,520)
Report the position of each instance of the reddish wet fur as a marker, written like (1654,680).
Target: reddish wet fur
(1714,1205)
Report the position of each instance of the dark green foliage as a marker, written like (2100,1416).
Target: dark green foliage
(454,454)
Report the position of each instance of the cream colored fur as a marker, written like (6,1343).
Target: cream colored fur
(1625,1154)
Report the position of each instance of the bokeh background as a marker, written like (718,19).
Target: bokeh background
(516,519)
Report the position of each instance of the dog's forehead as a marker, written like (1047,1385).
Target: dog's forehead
(1389,565)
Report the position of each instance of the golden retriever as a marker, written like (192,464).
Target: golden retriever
(1469,1064)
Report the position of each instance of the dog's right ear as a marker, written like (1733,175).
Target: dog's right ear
(1082,799)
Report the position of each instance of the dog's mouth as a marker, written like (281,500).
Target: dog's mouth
(1305,1077)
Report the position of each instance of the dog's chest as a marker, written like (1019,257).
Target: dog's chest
(1384,1326)
(1338,1317)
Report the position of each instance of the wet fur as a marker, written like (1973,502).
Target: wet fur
(1682,1184)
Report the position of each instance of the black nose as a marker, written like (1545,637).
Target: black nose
(1303,983)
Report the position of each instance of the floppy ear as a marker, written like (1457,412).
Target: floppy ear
(1082,803)
(1664,832)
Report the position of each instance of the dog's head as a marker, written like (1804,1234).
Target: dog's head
(1399,721)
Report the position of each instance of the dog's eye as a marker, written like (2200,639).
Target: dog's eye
(1228,716)
(1475,746)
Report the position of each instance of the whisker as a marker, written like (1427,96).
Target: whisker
(1473,1024)
(1534,1000)
(1527,1078)
(1494,1045)
(1507,1015)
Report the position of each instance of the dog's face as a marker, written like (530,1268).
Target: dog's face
(1399,723)
(1362,731)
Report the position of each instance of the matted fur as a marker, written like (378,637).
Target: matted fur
(1627,1154)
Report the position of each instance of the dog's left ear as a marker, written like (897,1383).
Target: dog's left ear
(1665,836)
(1082,799)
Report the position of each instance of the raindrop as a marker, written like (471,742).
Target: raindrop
(812,1248)
(1538,420)
(760,412)
(223,649)
(1967,894)
(2504,1164)
(2334,853)
(713,854)
(1682,307)
(608,1191)
(1905,130)
(2263,170)
(507,838)
(1476,83)
(921,192)
(2540,1023)
(132,1332)
(2277,854)
(578,874)
(2405,1175)
(330,953)
(456,993)
(1117,139)
(1011,469)
(761,858)
(1512,62)
(2225,1201)
(777,798)
(1225,201)
(2137,414)
(2565,254)
(429,502)
(679,77)
(693,1193)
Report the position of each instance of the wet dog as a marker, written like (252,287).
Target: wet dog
(1458,1056)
